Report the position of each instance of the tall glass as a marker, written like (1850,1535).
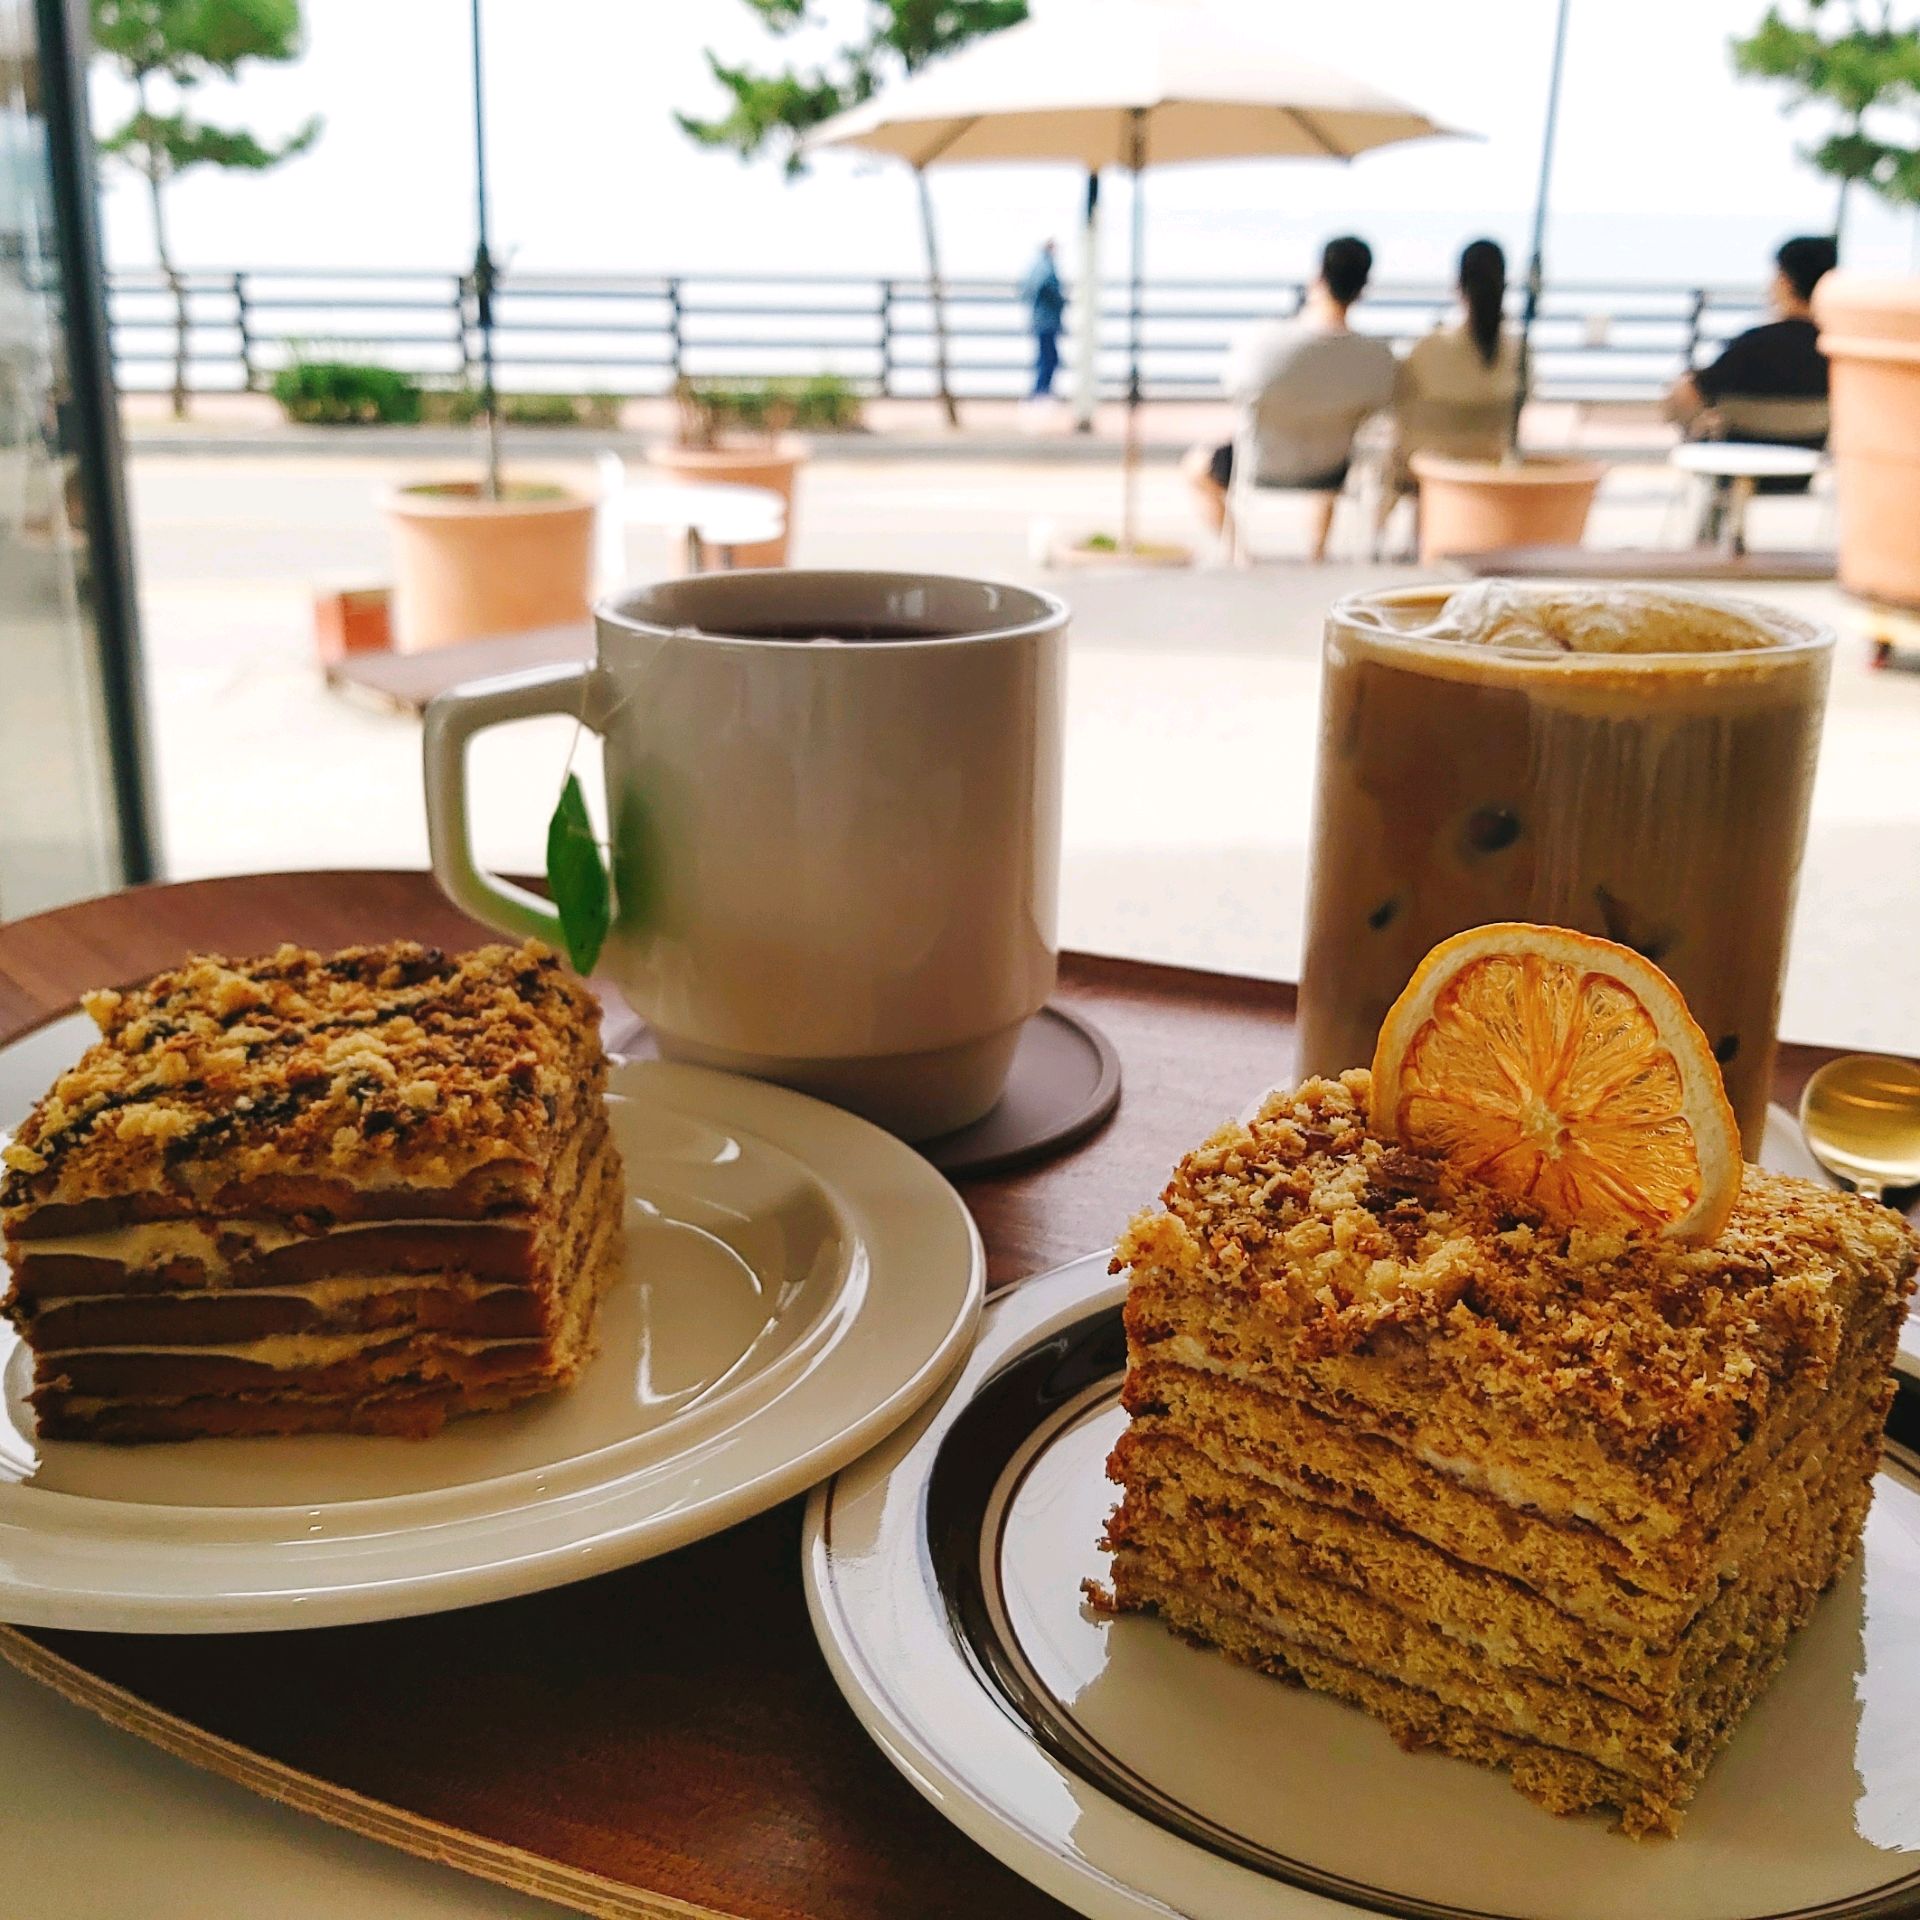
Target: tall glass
(1631,762)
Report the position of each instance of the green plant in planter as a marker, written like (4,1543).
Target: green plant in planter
(710,410)
(826,403)
(523,491)
(339,393)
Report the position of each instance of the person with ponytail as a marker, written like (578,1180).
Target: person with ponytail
(1457,387)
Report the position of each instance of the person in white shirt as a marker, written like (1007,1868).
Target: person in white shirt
(1303,387)
(1458,387)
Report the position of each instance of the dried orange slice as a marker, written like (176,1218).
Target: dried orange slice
(1564,1070)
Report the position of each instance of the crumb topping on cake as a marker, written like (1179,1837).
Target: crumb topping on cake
(374,1065)
(1353,1242)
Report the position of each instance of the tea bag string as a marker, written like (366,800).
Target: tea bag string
(579,728)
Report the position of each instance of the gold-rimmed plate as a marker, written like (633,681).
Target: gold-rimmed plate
(1130,1774)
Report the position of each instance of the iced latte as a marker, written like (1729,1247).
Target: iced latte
(1632,762)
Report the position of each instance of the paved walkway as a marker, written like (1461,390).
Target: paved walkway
(233,423)
(1191,728)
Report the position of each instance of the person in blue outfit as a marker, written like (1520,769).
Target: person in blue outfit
(1046,301)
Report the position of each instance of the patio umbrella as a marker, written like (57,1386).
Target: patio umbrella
(1129,83)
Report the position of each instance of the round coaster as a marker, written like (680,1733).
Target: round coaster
(1065,1080)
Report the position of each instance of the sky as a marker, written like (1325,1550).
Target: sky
(1667,168)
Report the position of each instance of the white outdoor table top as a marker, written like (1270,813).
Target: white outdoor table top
(723,513)
(1744,459)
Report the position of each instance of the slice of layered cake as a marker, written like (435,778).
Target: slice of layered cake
(1548,1495)
(358,1192)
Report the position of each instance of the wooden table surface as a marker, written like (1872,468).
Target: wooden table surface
(664,1740)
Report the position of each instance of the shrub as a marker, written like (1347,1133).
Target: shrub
(540,409)
(449,406)
(824,402)
(460,406)
(827,402)
(341,393)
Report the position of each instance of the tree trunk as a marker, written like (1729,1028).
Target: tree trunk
(175,286)
(937,299)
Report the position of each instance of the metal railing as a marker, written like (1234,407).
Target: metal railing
(640,333)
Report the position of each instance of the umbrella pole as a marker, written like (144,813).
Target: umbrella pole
(1086,359)
(1537,260)
(1130,449)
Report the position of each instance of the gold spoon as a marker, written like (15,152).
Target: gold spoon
(1861,1117)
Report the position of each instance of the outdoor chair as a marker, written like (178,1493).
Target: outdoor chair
(1356,496)
(1751,420)
(1765,417)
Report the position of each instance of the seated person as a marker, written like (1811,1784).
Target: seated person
(1458,386)
(1770,383)
(1303,387)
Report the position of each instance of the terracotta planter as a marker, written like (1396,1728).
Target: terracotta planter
(1870,333)
(774,465)
(1477,506)
(466,568)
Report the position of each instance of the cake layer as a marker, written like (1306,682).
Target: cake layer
(1500,1718)
(1660,1534)
(463,1279)
(1561,1781)
(322,1363)
(1585,1375)
(298,1082)
(405,1379)
(1391,1605)
(226,1261)
(462,1301)
(405,1412)
(310,1202)
(1261,1434)
(1536,1495)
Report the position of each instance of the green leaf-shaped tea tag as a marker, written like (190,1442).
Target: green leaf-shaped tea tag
(577,878)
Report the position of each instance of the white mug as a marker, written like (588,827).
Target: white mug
(834,801)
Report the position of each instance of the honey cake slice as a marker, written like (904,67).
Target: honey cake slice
(1541,1497)
(358,1192)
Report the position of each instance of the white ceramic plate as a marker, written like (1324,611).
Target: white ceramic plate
(796,1282)
(1129,1774)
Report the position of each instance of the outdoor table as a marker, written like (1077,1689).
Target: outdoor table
(1740,463)
(661,1740)
(715,519)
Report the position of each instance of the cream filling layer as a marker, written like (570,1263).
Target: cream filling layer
(288,1352)
(1501,1483)
(331,1290)
(153,1243)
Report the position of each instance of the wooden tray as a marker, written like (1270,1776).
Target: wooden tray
(664,1740)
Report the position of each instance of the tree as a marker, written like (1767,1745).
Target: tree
(1851,58)
(182,44)
(774,111)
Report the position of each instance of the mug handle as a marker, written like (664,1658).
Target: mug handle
(453,718)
